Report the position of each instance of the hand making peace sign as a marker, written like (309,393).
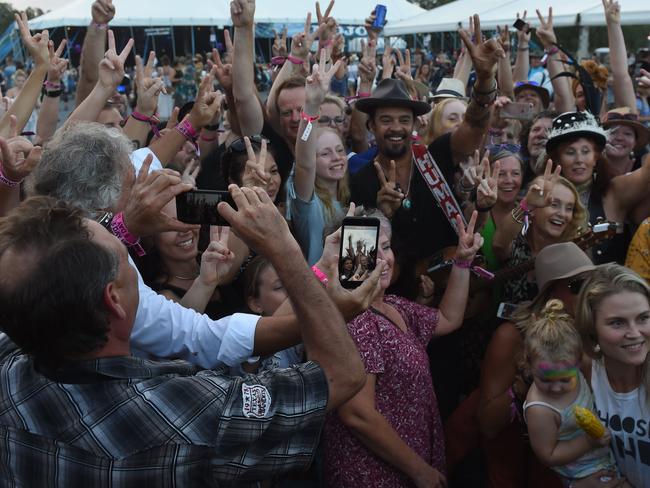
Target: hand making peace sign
(389,198)
(469,242)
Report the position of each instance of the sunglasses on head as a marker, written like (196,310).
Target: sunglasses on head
(496,148)
(575,285)
(522,83)
(239,145)
(616,116)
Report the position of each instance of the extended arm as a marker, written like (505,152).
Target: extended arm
(522,60)
(92,50)
(504,70)
(623,87)
(249,110)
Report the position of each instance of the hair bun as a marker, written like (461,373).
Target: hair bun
(553,309)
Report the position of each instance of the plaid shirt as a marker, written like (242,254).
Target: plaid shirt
(129,422)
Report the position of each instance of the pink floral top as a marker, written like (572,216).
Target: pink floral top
(404,396)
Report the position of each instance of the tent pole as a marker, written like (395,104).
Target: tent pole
(135,48)
(171,27)
(583,42)
(67,45)
(193,50)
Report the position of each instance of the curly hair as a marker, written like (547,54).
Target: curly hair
(599,75)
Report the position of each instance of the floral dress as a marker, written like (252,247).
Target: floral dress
(523,287)
(403,395)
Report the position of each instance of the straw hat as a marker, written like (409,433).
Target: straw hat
(450,88)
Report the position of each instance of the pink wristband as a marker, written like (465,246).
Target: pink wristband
(322,277)
(363,94)
(7,181)
(52,85)
(152,121)
(99,26)
(462,264)
(119,230)
(186,129)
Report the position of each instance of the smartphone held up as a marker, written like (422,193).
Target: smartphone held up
(200,206)
(358,253)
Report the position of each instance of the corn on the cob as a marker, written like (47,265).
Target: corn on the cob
(588,422)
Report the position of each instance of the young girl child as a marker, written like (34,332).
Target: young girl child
(553,351)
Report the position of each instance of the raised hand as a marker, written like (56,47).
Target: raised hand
(504,38)
(223,71)
(328,23)
(190,172)
(37,45)
(279,47)
(102,11)
(242,12)
(147,88)
(484,54)
(389,198)
(301,42)
(318,83)
(469,242)
(523,36)
(472,171)
(545,31)
(373,32)
(486,194)
(539,194)
(143,214)
(19,156)
(207,104)
(58,64)
(255,170)
(387,62)
(612,11)
(368,64)
(111,68)
(403,71)
(217,259)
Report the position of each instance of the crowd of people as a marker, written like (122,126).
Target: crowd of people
(509,284)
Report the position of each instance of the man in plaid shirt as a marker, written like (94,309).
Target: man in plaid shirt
(76,409)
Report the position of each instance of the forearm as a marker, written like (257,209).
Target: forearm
(521,67)
(504,72)
(463,68)
(25,103)
(136,130)
(48,118)
(623,86)
(494,414)
(92,105)
(374,431)
(562,94)
(249,111)
(504,237)
(198,296)
(306,159)
(166,147)
(453,303)
(208,141)
(92,53)
(324,333)
(470,134)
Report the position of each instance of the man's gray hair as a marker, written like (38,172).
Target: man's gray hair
(83,165)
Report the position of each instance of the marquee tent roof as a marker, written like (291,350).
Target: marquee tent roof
(502,12)
(217,12)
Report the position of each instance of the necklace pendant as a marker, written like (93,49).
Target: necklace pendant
(406,203)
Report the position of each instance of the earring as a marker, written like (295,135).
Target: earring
(632,155)
(597,348)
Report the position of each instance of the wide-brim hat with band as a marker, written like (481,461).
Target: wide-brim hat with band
(558,262)
(533,85)
(625,116)
(391,93)
(574,125)
(450,88)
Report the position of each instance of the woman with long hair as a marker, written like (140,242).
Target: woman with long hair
(319,189)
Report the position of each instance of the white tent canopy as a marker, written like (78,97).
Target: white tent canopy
(502,12)
(130,13)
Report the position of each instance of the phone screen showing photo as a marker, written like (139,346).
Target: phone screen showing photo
(200,206)
(358,255)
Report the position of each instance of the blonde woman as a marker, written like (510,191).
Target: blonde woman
(613,318)
(319,188)
(445,117)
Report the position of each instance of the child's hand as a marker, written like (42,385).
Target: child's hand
(601,441)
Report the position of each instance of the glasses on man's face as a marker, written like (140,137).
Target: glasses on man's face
(325,120)
(575,285)
(615,116)
(496,148)
(239,145)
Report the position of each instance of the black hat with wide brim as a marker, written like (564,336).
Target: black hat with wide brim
(571,126)
(391,93)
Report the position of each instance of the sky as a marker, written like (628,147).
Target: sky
(42,4)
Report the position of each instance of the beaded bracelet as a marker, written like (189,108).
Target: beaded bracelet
(8,181)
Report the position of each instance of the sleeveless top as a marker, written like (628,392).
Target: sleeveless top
(627,416)
(594,460)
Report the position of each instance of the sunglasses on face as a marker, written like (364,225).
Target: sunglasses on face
(496,148)
(325,120)
(575,285)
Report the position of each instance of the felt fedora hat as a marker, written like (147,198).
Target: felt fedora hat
(558,262)
(391,93)
(625,116)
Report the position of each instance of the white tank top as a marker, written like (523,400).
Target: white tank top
(627,416)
